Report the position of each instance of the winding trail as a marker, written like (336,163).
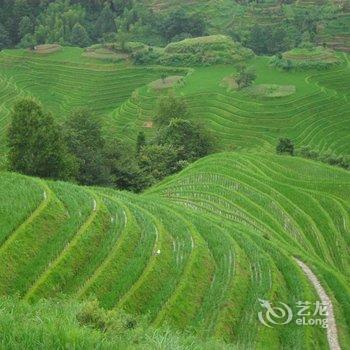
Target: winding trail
(332,333)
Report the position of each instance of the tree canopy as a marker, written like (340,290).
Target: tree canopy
(36,145)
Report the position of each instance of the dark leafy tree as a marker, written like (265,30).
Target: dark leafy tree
(159,160)
(4,38)
(269,39)
(170,107)
(285,146)
(124,170)
(36,144)
(105,22)
(79,36)
(140,142)
(84,140)
(180,23)
(191,140)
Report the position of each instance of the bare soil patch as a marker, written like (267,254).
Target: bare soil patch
(270,90)
(105,54)
(47,48)
(148,124)
(230,83)
(166,83)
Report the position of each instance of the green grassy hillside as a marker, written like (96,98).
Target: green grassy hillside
(316,114)
(69,324)
(65,80)
(228,15)
(196,252)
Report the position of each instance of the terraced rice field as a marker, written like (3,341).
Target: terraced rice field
(201,248)
(65,80)
(197,252)
(317,114)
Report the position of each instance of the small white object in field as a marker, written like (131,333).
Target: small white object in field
(95,205)
(158,251)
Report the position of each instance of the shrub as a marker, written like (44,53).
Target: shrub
(328,158)
(245,78)
(159,161)
(170,107)
(285,146)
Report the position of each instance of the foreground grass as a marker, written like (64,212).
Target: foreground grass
(196,252)
(63,324)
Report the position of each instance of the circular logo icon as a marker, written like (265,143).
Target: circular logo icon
(274,315)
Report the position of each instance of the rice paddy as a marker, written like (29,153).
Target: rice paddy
(198,250)
(195,252)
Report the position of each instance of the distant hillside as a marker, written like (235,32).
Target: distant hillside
(123,96)
(280,25)
(195,252)
(239,16)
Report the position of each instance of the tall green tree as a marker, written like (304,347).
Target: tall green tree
(170,107)
(4,37)
(25,26)
(179,23)
(28,41)
(191,140)
(56,22)
(140,141)
(84,139)
(125,172)
(159,161)
(79,36)
(285,146)
(105,22)
(36,144)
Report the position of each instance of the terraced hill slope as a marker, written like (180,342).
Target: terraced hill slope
(227,15)
(65,80)
(198,251)
(316,114)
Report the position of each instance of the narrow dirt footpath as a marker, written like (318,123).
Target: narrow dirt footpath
(332,333)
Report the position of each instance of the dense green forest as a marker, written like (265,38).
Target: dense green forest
(26,23)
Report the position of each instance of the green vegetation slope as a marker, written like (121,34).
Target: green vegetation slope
(195,252)
(315,114)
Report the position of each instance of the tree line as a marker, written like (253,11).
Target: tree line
(26,23)
(77,150)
